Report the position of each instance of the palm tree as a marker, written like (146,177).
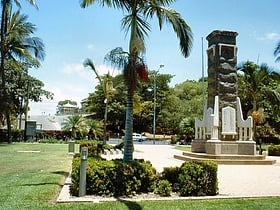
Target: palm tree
(95,128)
(277,51)
(75,124)
(255,77)
(5,16)
(18,44)
(256,80)
(136,21)
(107,86)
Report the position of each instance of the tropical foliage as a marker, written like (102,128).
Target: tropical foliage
(20,50)
(177,106)
(258,90)
(81,127)
(107,86)
(75,124)
(173,105)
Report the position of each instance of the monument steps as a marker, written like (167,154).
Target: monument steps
(225,159)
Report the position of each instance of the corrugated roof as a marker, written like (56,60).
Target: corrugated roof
(48,122)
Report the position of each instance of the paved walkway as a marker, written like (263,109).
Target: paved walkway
(234,180)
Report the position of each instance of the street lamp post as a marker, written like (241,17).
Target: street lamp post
(155,100)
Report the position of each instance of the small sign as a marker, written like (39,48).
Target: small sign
(30,128)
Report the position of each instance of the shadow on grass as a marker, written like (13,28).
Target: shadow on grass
(63,173)
(130,204)
(39,184)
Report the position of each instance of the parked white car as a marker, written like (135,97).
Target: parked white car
(138,137)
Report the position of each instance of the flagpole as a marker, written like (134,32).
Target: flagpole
(202,69)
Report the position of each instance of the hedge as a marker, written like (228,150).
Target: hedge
(274,150)
(116,178)
(197,178)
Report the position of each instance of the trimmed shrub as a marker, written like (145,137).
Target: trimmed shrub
(198,178)
(95,148)
(274,150)
(163,188)
(51,141)
(171,174)
(114,178)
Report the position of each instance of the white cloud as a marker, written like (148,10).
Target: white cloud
(75,84)
(104,69)
(77,70)
(270,36)
(90,47)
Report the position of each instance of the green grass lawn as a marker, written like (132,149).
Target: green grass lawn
(31,176)
(185,148)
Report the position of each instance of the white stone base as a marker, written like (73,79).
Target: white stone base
(198,146)
(218,147)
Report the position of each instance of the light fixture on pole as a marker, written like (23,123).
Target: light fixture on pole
(155,99)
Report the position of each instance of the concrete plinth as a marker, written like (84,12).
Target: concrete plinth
(213,147)
(246,147)
(218,147)
(198,146)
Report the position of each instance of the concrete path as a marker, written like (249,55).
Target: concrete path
(234,180)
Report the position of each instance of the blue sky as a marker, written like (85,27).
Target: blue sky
(72,34)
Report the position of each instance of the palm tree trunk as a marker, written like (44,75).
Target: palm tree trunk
(4,19)
(9,127)
(105,123)
(128,143)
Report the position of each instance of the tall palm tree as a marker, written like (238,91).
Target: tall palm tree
(5,16)
(107,86)
(138,12)
(18,44)
(255,77)
(256,80)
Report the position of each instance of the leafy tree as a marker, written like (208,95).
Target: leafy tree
(21,88)
(94,104)
(136,21)
(143,115)
(257,83)
(271,100)
(170,114)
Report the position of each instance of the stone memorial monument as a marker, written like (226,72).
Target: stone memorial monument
(223,129)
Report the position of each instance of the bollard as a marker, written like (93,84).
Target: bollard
(71,147)
(83,174)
